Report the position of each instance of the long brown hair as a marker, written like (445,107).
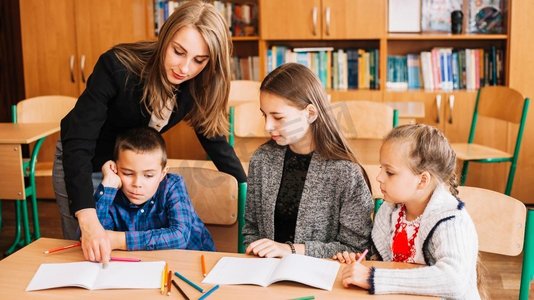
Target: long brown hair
(209,89)
(300,87)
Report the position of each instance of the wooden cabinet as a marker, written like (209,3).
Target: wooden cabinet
(321,19)
(61,41)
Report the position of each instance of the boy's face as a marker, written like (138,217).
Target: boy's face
(140,174)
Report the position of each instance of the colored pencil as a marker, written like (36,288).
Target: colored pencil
(162,287)
(62,248)
(203,264)
(213,289)
(180,289)
(304,298)
(127,259)
(362,256)
(189,282)
(169,279)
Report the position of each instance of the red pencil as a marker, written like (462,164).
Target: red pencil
(129,259)
(62,248)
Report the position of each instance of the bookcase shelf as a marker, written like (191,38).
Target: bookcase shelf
(444,36)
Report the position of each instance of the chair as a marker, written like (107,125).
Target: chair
(240,91)
(249,130)
(219,201)
(501,103)
(365,124)
(44,109)
(372,172)
(500,235)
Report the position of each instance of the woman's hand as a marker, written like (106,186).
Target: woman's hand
(356,274)
(268,248)
(96,245)
(110,177)
(346,257)
(117,239)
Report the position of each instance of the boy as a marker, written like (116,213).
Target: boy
(140,205)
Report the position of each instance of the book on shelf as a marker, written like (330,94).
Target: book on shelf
(436,14)
(315,272)
(90,275)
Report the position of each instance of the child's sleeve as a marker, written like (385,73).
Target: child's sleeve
(454,246)
(250,229)
(104,197)
(181,218)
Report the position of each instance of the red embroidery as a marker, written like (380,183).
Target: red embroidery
(402,248)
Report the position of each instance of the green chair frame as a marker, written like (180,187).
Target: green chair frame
(512,160)
(527,274)
(240,91)
(241,203)
(21,207)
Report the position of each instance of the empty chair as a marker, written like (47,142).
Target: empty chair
(219,202)
(500,221)
(365,124)
(501,103)
(241,91)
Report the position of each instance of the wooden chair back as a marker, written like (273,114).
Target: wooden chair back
(499,220)
(363,119)
(244,91)
(249,129)
(44,109)
(215,198)
(501,102)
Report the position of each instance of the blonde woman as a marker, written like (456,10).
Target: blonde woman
(184,75)
(307,193)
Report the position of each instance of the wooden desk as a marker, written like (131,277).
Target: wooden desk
(12,187)
(17,270)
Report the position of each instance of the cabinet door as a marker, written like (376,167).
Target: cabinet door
(353,19)
(103,24)
(290,19)
(459,107)
(48,48)
(434,103)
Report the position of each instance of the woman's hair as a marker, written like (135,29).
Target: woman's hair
(299,86)
(429,151)
(209,89)
(141,140)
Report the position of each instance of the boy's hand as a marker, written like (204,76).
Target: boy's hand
(356,274)
(347,258)
(109,172)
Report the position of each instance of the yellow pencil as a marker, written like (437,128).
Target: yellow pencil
(162,288)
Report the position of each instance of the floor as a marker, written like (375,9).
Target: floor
(502,275)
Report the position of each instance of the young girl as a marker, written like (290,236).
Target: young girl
(421,221)
(307,194)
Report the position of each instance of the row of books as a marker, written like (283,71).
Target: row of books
(246,68)
(337,69)
(446,69)
(242,19)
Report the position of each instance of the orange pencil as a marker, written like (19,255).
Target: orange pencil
(169,278)
(203,264)
(62,248)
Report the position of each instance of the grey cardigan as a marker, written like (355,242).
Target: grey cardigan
(335,207)
(450,250)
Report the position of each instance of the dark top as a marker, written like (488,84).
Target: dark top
(289,194)
(110,105)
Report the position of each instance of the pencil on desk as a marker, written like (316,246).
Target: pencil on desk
(189,282)
(162,287)
(213,289)
(180,289)
(62,248)
(203,264)
(362,256)
(304,298)
(127,259)
(169,279)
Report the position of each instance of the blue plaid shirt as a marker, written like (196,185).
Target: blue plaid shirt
(166,221)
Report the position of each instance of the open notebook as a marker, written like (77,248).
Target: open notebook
(319,273)
(89,275)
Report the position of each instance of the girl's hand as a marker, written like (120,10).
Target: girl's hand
(347,258)
(356,274)
(110,177)
(268,248)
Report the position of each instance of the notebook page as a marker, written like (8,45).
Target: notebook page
(316,272)
(233,270)
(130,275)
(81,274)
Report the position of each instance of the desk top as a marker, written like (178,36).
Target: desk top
(25,133)
(17,270)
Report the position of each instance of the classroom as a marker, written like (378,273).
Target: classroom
(223,86)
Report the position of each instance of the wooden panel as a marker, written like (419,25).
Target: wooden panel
(434,115)
(182,143)
(244,90)
(290,19)
(12,178)
(48,43)
(101,24)
(246,146)
(345,95)
(353,19)
(457,120)
(363,119)
(372,172)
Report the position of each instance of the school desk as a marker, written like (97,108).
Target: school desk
(408,111)
(17,270)
(12,187)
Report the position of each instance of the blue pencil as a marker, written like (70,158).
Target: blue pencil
(213,289)
(189,282)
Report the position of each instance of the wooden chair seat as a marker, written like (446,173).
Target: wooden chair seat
(475,152)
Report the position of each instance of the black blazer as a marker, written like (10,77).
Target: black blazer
(110,105)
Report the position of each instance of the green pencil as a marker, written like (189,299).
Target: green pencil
(304,298)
